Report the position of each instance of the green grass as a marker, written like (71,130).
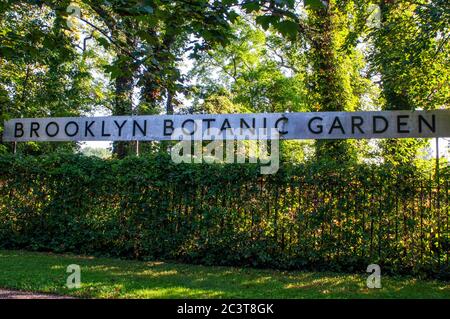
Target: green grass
(113,278)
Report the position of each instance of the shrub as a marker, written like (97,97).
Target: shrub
(313,215)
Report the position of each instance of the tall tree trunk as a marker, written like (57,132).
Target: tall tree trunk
(328,77)
(4,100)
(393,87)
(124,85)
(123,105)
(169,104)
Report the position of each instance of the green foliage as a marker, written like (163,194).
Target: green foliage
(307,216)
(315,4)
(41,73)
(252,73)
(218,104)
(129,57)
(411,56)
(96,151)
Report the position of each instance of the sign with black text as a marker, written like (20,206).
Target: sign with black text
(313,125)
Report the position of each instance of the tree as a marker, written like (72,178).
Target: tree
(146,39)
(248,72)
(41,73)
(328,31)
(411,61)
(255,72)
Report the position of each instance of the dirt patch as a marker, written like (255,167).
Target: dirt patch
(16,294)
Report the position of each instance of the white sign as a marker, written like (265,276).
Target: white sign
(313,125)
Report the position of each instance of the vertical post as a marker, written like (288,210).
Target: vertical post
(14,147)
(437,160)
(438,205)
(134,112)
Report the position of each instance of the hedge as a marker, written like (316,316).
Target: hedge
(320,216)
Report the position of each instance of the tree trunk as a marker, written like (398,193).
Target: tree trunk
(124,85)
(328,79)
(123,106)
(387,48)
(169,105)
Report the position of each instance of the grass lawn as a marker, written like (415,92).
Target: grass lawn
(113,278)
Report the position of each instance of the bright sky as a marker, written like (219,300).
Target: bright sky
(443,147)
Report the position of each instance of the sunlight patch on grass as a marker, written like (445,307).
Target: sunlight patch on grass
(173,292)
(150,273)
(154,263)
(57,267)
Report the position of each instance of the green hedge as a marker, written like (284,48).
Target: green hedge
(309,216)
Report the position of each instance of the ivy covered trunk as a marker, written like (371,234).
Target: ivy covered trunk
(390,47)
(124,84)
(330,81)
(3,100)
(123,104)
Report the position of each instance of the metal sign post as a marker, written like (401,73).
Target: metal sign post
(437,161)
